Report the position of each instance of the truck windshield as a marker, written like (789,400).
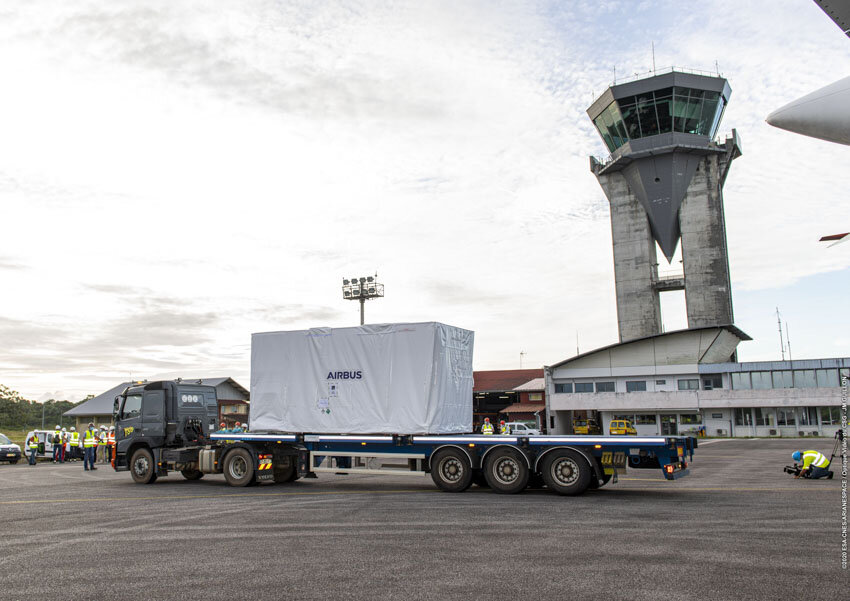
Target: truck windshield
(132,406)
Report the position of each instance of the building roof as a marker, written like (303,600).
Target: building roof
(535,385)
(524,408)
(735,336)
(103,403)
(502,380)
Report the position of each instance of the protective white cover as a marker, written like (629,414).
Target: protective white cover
(398,378)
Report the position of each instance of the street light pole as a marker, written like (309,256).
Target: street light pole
(362,289)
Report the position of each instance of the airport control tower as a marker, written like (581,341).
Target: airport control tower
(664,181)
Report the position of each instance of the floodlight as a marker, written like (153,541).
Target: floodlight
(370,279)
(358,289)
(345,282)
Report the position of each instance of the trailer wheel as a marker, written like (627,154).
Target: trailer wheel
(142,467)
(478,479)
(191,474)
(285,474)
(506,471)
(566,472)
(450,470)
(239,468)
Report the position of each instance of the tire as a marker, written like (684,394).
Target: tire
(239,468)
(142,467)
(478,479)
(191,474)
(286,474)
(450,470)
(566,472)
(594,483)
(506,471)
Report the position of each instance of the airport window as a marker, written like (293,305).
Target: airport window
(660,382)
(808,416)
(786,417)
(827,378)
(804,378)
(743,417)
(741,380)
(765,417)
(132,406)
(689,384)
(690,418)
(645,418)
(627,416)
(782,379)
(830,416)
(636,386)
(561,388)
(605,387)
(712,382)
(584,386)
(762,380)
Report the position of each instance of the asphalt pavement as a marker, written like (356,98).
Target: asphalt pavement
(736,528)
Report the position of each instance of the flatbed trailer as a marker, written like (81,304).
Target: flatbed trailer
(169,426)
(507,464)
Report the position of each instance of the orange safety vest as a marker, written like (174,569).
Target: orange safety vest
(110,439)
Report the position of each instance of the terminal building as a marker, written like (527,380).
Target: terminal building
(664,183)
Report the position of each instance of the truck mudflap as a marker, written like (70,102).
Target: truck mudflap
(265,470)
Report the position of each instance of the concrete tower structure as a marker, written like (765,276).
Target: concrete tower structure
(664,182)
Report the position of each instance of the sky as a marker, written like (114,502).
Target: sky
(176,175)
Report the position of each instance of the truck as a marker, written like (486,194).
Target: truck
(170,426)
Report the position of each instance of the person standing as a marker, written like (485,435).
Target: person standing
(32,447)
(487,427)
(89,447)
(56,441)
(110,449)
(503,429)
(74,443)
(102,444)
(65,440)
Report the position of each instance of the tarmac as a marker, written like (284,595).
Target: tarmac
(736,528)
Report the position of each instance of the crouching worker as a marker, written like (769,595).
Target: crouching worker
(815,464)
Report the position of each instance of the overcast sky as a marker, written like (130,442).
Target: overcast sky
(176,175)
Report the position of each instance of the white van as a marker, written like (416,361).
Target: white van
(521,429)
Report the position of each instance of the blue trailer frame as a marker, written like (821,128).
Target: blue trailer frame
(567,464)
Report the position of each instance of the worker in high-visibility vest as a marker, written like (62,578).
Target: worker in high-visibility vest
(486,427)
(32,447)
(63,450)
(56,441)
(102,444)
(110,440)
(503,429)
(815,464)
(89,447)
(75,443)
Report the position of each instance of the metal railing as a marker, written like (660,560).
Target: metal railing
(654,72)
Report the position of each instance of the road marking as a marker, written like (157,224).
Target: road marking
(226,495)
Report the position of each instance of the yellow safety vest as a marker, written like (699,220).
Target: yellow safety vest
(813,458)
(89,441)
(102,441)
(75,438)
(487,428)
(33,443)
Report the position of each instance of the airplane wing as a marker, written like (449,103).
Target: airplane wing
(838,11)
(837,238)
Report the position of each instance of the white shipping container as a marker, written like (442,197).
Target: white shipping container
(400,378)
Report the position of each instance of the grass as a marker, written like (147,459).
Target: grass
(17,436)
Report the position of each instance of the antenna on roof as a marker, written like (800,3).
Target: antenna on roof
(653,57)
(521,355)
(781,341)
(577,351)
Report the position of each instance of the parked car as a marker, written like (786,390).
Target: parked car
(586,426)
(9,451)
(621,427)
(521,429)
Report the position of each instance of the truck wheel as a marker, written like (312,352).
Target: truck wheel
(142,467)
(594,483)
(239,468)
(450,470)
(191,474)
(285,474)
(506,471)
(566,472)
(478,479)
